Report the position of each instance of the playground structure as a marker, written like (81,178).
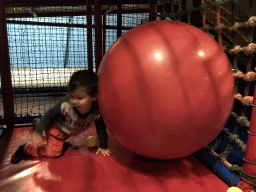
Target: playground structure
(47,41)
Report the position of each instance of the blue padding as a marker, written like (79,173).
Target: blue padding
(219,169)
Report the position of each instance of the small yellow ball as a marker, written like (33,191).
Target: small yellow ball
(91,141)
(234,189)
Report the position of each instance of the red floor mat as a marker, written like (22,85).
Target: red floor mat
(82,170)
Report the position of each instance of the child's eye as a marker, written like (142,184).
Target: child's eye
(80,98)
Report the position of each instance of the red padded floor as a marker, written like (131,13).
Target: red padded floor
(82,170)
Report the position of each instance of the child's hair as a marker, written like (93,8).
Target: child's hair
(86,79)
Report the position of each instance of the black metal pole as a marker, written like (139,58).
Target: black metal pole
(67,45)
(6,83)
(119,18)
(152,10)
(89,34)
(5,69)
(98,32)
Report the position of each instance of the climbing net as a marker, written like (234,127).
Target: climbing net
(221,20)
(244,96)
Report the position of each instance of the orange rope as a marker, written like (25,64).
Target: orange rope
(225,162)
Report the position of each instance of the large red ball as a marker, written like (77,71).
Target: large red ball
(165,89)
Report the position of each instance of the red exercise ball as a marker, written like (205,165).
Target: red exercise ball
(165,89)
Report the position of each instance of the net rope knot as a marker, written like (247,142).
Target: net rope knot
(220,26)
(252,21)
(235,27)
(242,120)
(236,168)
(250,49)
(235,50)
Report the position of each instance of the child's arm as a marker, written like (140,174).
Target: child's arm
(102,133)
(37,139)
(49,116)
(103,136)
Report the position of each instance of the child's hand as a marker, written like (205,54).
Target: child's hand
(103,151)
(37,141)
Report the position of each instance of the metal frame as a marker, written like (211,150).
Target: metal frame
(5,70)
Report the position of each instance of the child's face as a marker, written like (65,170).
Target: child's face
(81,100)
